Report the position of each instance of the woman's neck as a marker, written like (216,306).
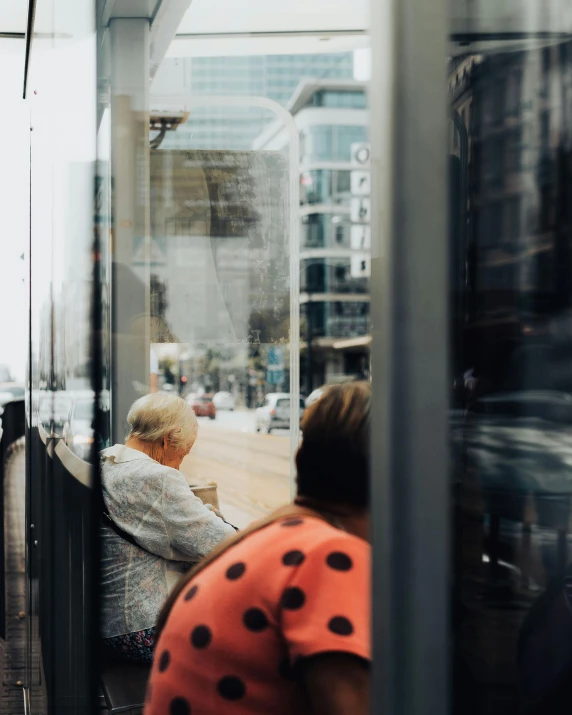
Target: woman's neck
(151,449)
(352,519)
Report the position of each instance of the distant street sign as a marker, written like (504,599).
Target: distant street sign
(275,377)
(360,266)
(361,154)
(360,210)
(275,358)
(360,182)
(360,237)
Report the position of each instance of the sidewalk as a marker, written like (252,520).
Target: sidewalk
(12,699)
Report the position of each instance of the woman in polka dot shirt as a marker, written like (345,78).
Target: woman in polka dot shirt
(276,621)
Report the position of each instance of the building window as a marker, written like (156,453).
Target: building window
(490,225)
(340,99)
(341,273)
(325,231)
(324,186)
(513,93)
(512,222)
(545,129)
(331,143)
(493,155)
(514,151)
(545,80)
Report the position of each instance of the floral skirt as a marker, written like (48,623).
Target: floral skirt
(132,647)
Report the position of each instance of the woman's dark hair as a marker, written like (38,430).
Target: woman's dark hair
(333,460)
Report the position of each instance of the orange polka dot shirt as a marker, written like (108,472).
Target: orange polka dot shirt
(293,589)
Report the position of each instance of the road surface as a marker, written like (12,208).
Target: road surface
(252,470)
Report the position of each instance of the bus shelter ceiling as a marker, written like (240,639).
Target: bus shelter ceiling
(251,27)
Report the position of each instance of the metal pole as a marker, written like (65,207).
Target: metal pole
(309,336)
(131,230)
(410,480)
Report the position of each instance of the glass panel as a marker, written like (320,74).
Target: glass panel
(323,186)
(331,143)
(226,228)
(335,275)
(511,314)
(60,532)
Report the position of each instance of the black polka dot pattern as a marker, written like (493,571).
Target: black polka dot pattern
(255,620)
(292,522)
(201,637)
(180,706)
(339,561)
(231,688)
(293,558)
(293,598)
(164,661)
(191,593)
(235,571)
(341,626)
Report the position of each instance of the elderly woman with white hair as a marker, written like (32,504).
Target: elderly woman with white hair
(153,526)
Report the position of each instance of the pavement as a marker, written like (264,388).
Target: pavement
(252,470)
(12,694)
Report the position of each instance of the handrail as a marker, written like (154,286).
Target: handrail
(80,470)
(29,36)
(44,436)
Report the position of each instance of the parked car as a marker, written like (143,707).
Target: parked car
(274,412)
(11,391)
(224,401)
(204,406)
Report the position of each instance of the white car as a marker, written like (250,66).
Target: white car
(314,396)
(274,412)
(224,401)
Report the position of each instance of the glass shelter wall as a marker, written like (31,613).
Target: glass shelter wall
(204,274)
(61,607)
(510,312)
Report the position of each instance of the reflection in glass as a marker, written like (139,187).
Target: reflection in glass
(511,345)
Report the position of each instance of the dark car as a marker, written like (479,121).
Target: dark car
(204,407)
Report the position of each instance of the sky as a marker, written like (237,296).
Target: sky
(14,189)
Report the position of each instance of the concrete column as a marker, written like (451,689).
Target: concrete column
(129,39)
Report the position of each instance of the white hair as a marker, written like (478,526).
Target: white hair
(158,415)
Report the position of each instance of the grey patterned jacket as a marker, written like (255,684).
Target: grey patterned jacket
(155,505)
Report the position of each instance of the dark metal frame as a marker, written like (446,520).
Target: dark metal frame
(29,36)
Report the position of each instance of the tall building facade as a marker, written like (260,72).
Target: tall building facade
(332,120)
(330,110)
(274,77)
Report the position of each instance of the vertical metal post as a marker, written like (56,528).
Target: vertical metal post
(410,480)
(309,339)
(131,218)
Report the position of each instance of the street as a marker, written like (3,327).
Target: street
(252,470)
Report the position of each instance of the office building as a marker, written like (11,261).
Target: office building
(331,117)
